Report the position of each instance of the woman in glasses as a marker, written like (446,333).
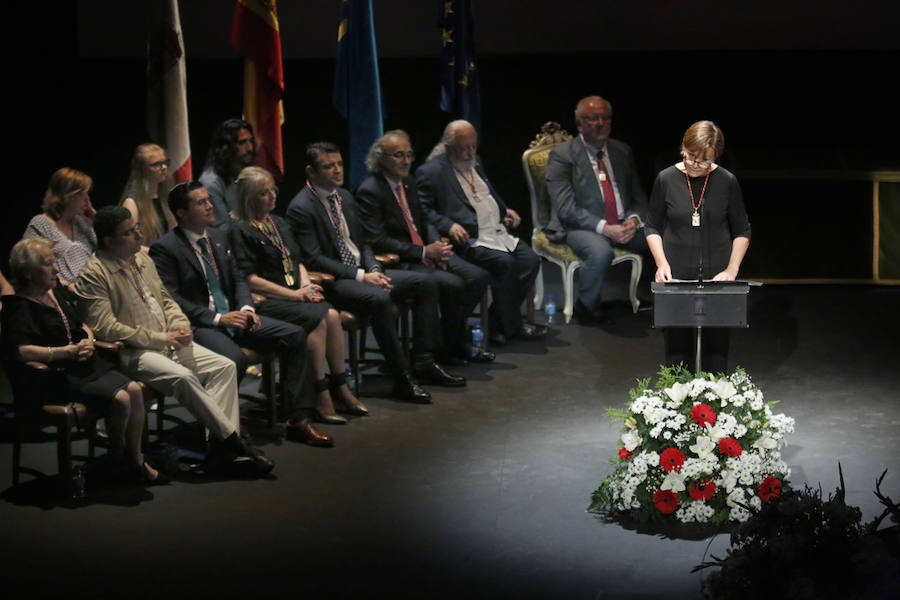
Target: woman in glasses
(697,228)
(269,257)
(146,191)
(66,221)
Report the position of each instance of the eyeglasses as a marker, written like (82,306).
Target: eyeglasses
(700,164)
(160,164)
(400,155)
(133,231)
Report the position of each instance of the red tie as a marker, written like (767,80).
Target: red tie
(414,236)
(609,196)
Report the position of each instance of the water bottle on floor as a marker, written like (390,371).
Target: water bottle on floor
(77,485)
(550,308)
(477,335)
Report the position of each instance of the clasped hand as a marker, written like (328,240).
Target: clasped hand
(439,251)
(83,350)
(240,319)
(180,338)
(379,280)
(621,233)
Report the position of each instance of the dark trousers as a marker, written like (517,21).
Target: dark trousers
(681,347)
(287,340)
(512,276)
(460,288)
(596,254)
(376,304)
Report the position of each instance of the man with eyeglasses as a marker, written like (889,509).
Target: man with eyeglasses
(125,300)
(597,199)
(233,147)
(461,203)
(394,222)
(326,223)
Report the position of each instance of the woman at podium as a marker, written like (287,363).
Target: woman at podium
(697,229)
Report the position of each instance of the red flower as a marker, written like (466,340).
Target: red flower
(625,454)
(671,459)
(703,415)
(730,447)
(665,501)
(770,489)
(702,490)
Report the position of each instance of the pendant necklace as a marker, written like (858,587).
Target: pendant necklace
(695,218)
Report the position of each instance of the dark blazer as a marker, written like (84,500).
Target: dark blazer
(315,234)
(444,200)
(182,274)
(575,196)
(383,223)
(255,253)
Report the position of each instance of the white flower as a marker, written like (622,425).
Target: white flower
(674,481)
(631,440)
(724,389)
(727,480)
(704,446)
(735,495)
(716,432)
(765,442)
(678,392)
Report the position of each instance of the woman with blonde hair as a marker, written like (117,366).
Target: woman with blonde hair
(146,191)
(38,326)
(66,221)
(268,255)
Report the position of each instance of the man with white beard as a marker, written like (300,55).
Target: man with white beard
(462,204)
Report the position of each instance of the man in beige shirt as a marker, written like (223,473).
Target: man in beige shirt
(124,299)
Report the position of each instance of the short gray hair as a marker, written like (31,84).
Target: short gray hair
(24,258)
(376,150)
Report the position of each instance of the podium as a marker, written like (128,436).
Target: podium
(700,304)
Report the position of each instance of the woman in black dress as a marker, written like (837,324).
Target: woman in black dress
(697,228)
(268,255)
(38,327)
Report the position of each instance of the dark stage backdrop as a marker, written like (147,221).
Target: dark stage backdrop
(824,105)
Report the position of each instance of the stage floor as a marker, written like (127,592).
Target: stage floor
(483,493)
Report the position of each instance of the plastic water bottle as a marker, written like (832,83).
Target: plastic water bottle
(351,380)
(550,308)
(477,335)
(77,484)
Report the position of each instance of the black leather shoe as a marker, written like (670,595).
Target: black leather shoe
(480,355)
(497,339)
(433,374)
(405,388)
(532,332)
(261,463)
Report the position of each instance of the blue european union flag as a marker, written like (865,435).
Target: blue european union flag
(357,89)
(460,94)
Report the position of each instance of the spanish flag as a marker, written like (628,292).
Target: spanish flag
(255,35)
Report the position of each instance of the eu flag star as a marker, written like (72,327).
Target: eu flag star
(448,8)
(446,36)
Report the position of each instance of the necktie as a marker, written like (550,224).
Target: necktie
(212,278)
(609,196)
(343,250)
(414,236)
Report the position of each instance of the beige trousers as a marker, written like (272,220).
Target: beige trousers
(202,381)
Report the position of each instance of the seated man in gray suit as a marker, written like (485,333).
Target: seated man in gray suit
(597,200)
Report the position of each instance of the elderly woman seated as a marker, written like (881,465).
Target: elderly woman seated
(39,327)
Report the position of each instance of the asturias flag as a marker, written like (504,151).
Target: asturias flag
(357,89)
(460,95)
(255,34)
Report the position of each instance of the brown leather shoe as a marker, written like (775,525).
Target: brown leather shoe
(304,431)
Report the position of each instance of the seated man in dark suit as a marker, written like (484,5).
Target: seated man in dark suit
(597,199)
(393,222)
(462,204)
(196,266)
(324,220)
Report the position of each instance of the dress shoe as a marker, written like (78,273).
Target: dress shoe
(233,457)
(432,373)
(330,419)
(480,355)
(405,388)
(587,316)
(261,463)
(359,409)
(304,431)
(531,332)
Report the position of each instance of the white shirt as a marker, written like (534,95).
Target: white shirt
(492,232)
(322,194)
(592,156)
(192,238)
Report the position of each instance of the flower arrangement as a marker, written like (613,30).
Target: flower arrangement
(699,449)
